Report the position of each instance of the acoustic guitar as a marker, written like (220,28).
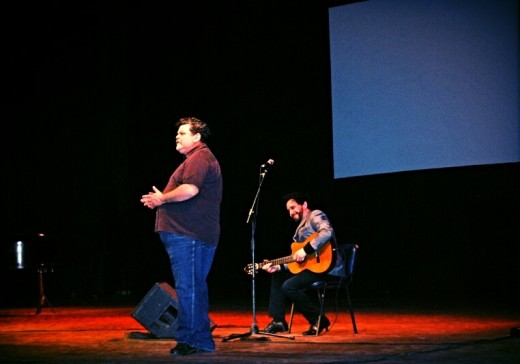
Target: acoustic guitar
(318,262)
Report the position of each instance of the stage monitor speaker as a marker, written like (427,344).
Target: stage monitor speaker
(158,310)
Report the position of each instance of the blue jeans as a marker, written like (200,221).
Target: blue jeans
(191,262)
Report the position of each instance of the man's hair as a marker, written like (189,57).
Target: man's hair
(196,126)
(299,197)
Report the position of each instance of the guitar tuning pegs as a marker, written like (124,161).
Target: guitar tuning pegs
(248,269)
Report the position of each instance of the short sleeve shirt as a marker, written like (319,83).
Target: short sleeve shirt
(198,217)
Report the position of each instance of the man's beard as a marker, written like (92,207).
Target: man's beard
(298,216)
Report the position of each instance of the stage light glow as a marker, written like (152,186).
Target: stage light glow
(19,255)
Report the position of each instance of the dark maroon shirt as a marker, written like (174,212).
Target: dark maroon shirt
(198,217)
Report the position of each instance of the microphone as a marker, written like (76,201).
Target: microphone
(270,162)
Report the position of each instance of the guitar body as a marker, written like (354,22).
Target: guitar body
(317,263)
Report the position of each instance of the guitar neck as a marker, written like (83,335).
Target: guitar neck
(279,261)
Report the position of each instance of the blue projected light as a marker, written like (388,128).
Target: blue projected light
(423,85)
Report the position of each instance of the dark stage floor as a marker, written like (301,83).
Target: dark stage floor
(386,334)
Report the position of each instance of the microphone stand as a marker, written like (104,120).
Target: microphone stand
(251,218)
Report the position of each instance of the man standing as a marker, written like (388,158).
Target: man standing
(286,285)
(188,224)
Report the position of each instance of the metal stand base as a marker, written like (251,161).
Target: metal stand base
(249,336)
(43,299)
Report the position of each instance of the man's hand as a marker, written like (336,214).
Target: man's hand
(152,199)
(300,255)
(271,268)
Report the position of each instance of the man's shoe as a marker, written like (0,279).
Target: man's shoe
(324,325)
(275,327)
(185,349)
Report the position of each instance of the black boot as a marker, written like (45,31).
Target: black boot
(313,329)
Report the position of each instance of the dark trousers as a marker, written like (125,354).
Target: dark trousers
(287,286)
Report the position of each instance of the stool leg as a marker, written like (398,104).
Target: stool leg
(321,300)
(351,310)
(291,318)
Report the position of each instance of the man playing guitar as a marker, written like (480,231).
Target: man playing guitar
(313,258)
